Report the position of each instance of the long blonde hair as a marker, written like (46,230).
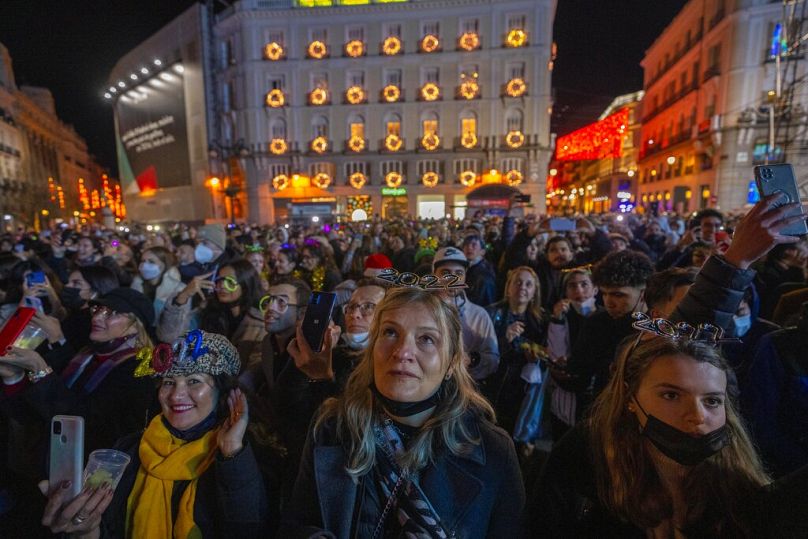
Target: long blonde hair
(355,412)
(534,305)
(627,480)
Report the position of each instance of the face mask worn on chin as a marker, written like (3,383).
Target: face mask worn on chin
(406,409)
(356,341)
(203,253)
(742,324)
(149,270)
(584,308)
(71,297)
(680,446)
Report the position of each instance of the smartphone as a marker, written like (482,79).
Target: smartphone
(213,277)
(772,179)
(562,224)
(66,452)
(14,326)
(35,277)
(318,315)
(34,303)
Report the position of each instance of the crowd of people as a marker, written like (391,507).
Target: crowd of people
(484,377)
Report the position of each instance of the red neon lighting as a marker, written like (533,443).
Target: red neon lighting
(600,140)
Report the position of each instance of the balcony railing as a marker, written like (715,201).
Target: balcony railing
(672,61)
(712,71)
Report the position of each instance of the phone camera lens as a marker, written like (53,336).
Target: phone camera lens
(57,427)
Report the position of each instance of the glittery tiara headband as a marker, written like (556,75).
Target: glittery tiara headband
(426,282)
(703,333)
(586,268)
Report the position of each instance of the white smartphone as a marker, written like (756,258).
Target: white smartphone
(67,452)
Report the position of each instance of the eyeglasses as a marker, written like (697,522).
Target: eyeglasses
(228,284)
(365,309)
(102,311)
(281,303)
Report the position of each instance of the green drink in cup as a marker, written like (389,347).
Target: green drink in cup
(105,466)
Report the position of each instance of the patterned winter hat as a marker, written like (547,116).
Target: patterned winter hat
(196,352)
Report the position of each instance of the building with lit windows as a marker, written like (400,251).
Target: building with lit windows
(710,80)
(388,107)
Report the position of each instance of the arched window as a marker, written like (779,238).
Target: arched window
(356,126)
(277,128)
(319,126)
(514,120)
(429,123)
(392,124)
(468,122)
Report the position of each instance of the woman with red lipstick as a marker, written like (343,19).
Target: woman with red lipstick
(410,449)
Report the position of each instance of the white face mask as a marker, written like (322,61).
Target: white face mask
(584,308)
(356,341)
(149,270)
(203,253)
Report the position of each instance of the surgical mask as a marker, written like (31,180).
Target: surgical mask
(584,308)
(356,341)
(149,270)
(742,324)
(680,446)
(203,253)
(70,297)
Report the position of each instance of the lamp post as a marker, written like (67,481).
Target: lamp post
(222,154)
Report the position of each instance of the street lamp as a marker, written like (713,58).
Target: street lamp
(222,153)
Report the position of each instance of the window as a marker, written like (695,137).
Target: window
(429,124)
(516,70)
(392,76)
(461,165)
(392,166)
(276,36)
(356,127)
(513,120)
(468,71)
(517,21)
(228,52)
(277,82)
(319,127)
(427,165)
(317,168)
(319,80)
(392,29)
(468,125)
(355,33)
(277,128)
(356,78)
(319,34)
(227,96)
(430,74)
(278,169)
(430,28)
(392,124)
(355,166)
(714,56)
(512,163)
(469,25)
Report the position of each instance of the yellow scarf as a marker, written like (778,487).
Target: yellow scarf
(163,460)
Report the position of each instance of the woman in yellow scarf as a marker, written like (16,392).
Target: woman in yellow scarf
(193,474)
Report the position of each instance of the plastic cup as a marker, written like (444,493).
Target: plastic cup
(30,337)
(105,466)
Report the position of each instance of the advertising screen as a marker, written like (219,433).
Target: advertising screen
(151,134)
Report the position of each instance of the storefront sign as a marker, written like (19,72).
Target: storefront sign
(394,191)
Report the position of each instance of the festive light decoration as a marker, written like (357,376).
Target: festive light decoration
(430,91)
(468,178)
(317,50)
(280,182)
(275,98)
(514,139)
(516,38)
(359,202)
(357,180)
(430,179)
(278,146)
(95,199)
(600,140)
(430,141)
(356,144)
(274,51)
(469,41)
(516,87)
(393,179)
(469,89)
(513,177)
(60,195)
(391,93)
(393,142)
(354,48)
(430,43)
(355,95)
(84,195)
(321,180)
(318,96)
(319,144)
(468,140)
(391,46)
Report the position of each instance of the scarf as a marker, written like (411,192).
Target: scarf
(165,459)
(97,366)
(414,512)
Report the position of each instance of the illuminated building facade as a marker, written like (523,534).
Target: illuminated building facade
(708,79)
(395,108)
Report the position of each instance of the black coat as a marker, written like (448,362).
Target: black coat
(477,495)
(482,283)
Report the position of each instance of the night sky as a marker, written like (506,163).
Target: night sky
(71,46)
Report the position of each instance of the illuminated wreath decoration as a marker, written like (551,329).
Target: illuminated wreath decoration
(469,41)
(357,180)
(468,178)
(430,179)
(391,93)
(355,95)
(275,98)
(469,89)
(516,87)
(356,143)
(393,142)
(278,146)
(391,46)
(318,96)
(514,139)
(430,91)
(354,48)
(430,43)
(430,141)
(321,180)
(393,179)
(468,140)
(317,50)
(273,51)
(280,182)
(513,177)
(516,38)
(319,144)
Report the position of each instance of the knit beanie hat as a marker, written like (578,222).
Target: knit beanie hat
(213,233)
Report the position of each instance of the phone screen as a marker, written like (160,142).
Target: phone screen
(318,315)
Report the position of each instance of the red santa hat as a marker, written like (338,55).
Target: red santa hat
(375,263)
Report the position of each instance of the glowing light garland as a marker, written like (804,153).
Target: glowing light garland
(469,89)
(391,93)
(393,142)
(514,139)
(516,87)
(317,50)
(430,91)
(321,180)
(468,140)
(354,48)
(278,146)
(469,41)
(468,178)
(280,182)
(356,144)
(275,98)
(513,177)
(391,46)
(355,95)
(430,179)
(318,96)
(319,145)
(357,180)
(600,140)
(516,38)
(274,51)
(393,179)
(430,43)
(430,142)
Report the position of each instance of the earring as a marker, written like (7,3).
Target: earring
(631,408)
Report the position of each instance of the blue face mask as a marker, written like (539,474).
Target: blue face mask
(203,253)
(742,324)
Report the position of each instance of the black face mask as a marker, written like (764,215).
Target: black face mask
(406,409)
(71,297)
(685,449)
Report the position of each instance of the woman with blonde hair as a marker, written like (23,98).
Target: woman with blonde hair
(410,448)
(664,454)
